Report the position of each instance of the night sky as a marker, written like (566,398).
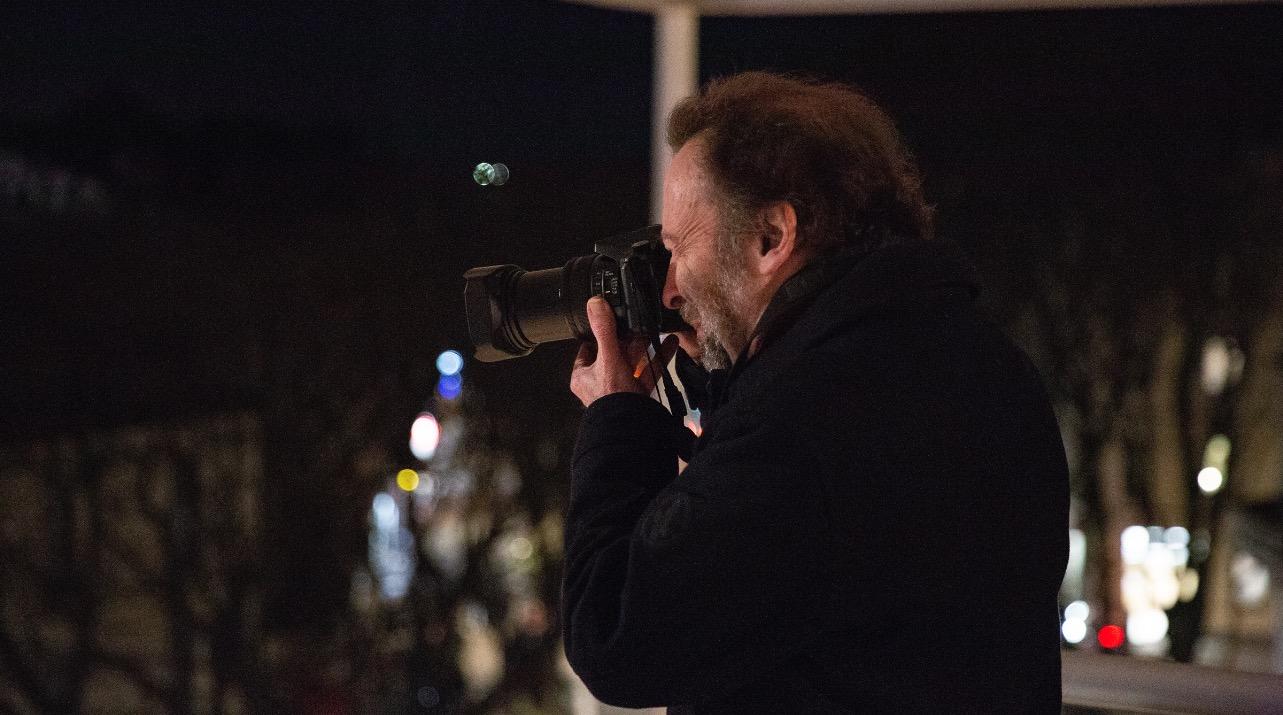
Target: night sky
(428,78)
(546,81)
(403,99)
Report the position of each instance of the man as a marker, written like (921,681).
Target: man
(875,515)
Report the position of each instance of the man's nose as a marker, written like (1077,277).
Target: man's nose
(672,299)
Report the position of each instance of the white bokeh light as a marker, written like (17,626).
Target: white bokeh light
(1146,626)
(1135,590)
(1077,611)
(449,362)
(1135,544)
(425,434)
(1210,480)
(1216,365)
(1251,579)
(1074,631)
(386,514)
(1177,536)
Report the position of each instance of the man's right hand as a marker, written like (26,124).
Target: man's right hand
(606,366)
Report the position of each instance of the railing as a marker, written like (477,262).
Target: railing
(1135,685)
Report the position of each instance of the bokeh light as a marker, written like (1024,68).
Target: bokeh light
(1210,480)
(1074,631)
(521,549)
(449,386)
(449,362)
(1176,536)
(1217,452)
(1251,580)
(386,515)
(1135,543)
(425,433)
(1146,627)
(1216,365)
(407,480)
(1077,611)
(1110,636)
(487,174)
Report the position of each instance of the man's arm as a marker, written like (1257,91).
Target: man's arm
(678,589)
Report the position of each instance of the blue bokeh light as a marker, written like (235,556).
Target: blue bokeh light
(449,386)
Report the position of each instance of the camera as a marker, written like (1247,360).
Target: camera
(511,310)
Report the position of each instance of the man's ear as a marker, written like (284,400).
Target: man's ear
(778,243)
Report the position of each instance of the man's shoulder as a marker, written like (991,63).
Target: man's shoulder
(885,367)
(844,355)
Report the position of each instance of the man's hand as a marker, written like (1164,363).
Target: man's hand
(606,367)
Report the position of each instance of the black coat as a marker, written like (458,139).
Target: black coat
(875,518)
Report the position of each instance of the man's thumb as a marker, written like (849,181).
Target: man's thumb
(602,321)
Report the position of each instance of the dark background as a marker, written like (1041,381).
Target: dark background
(276,128)
(288,206)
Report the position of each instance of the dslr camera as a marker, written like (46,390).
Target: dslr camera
(511,310)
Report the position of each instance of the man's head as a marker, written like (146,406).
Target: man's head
(769,173)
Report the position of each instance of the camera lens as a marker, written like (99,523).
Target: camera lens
(511,310)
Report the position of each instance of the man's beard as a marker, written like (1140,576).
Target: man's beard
(714,302)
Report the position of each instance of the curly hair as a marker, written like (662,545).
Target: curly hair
(825,148)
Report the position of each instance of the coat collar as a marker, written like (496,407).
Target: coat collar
(838,289)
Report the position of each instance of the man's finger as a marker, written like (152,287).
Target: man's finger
(602,320)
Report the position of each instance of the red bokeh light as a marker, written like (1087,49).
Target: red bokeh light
(1110,636)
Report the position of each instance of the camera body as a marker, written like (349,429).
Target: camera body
(511,310)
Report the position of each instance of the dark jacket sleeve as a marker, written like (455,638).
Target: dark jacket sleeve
(683,588)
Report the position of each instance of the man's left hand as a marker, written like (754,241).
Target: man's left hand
(607,366)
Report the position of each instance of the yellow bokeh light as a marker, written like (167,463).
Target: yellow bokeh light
(407,479)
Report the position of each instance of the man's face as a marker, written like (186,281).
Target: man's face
(706,277)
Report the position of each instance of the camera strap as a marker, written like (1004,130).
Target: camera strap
(676,404)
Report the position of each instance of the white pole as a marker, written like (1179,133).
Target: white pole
(676,77)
